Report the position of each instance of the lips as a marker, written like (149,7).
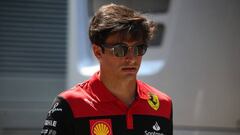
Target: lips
(129,69)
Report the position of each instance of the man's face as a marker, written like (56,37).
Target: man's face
(120,67)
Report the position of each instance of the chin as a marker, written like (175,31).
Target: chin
(130,75)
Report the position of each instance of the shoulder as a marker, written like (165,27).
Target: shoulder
(80,99)
(150,90)
(78,92)
(77,95)
(157,100)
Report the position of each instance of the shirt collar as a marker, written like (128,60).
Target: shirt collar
(104,95)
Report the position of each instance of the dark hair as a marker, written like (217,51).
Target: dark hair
(120,19)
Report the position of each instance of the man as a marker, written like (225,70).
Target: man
(113,101)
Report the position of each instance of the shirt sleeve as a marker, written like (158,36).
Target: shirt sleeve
(59,119)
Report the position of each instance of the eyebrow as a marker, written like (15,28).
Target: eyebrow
(125,43)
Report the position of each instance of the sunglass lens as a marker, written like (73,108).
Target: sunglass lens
(140,50)
(120,51)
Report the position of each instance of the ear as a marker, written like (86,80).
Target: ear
(97,50)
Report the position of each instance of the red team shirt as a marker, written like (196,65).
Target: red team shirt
(90,109)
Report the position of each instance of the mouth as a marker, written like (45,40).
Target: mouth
(129,69)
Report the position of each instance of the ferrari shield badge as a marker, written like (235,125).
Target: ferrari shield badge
(153,101)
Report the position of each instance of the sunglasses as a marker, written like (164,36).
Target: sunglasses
(121,49)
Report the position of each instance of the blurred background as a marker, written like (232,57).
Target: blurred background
(194,58)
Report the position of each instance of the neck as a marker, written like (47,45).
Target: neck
(123,89)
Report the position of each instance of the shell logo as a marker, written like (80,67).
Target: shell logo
(101,127)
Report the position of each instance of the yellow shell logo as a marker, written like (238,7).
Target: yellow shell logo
(101,129)
(153,101)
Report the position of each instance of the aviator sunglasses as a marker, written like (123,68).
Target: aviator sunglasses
(121,49)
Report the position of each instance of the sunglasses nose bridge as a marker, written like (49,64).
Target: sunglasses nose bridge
(131,51)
